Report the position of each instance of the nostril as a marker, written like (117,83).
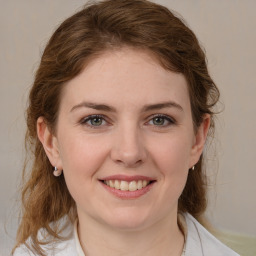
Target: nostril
(128,154)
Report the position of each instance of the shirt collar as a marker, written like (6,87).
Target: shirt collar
(77,242)
(81,252)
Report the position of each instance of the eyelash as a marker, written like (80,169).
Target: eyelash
(85,121)
(167,118)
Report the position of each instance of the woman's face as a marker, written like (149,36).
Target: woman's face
(125,140)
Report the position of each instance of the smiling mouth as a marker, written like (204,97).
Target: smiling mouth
(126,185)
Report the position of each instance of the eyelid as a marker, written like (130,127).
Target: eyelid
(84,120)
(170,119)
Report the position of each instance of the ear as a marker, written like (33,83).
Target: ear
(200,139)
(49,142)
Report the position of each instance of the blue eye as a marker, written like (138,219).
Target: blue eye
(94,121)
(161,120)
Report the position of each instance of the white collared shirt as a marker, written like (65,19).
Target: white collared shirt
(199,242)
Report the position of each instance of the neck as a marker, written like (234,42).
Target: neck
(162,238)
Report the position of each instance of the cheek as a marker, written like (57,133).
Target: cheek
(79,153)
(171,155)
(81,158)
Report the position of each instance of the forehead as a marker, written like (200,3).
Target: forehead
(126,76)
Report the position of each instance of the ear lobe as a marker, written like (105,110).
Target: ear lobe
(200,139)
(49,142)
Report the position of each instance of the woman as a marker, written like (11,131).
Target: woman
(118,116)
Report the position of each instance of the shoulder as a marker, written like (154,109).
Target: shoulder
(22,251)
(201,242)
(62,248)
(65,247)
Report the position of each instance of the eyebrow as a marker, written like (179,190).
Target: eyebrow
(94,106)
(169,104)
(146,108)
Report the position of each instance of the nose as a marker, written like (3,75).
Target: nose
(128,147)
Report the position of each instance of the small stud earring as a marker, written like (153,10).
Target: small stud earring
(193,168)
(57,172)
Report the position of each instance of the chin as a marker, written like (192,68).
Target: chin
(128,220)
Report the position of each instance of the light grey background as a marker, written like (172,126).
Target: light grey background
(227,31)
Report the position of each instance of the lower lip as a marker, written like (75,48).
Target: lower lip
(128,194)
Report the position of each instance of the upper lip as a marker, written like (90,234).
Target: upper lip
(127,178)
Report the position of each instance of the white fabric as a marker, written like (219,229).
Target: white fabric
(199,242)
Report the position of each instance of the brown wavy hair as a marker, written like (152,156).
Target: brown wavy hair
(99,27)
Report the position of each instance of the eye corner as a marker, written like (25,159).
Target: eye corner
(161,121)
(94,121)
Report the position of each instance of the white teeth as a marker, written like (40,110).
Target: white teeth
(144,183)
(139,184)
(111,184)
(125,185)
(117,184)
(133,186)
